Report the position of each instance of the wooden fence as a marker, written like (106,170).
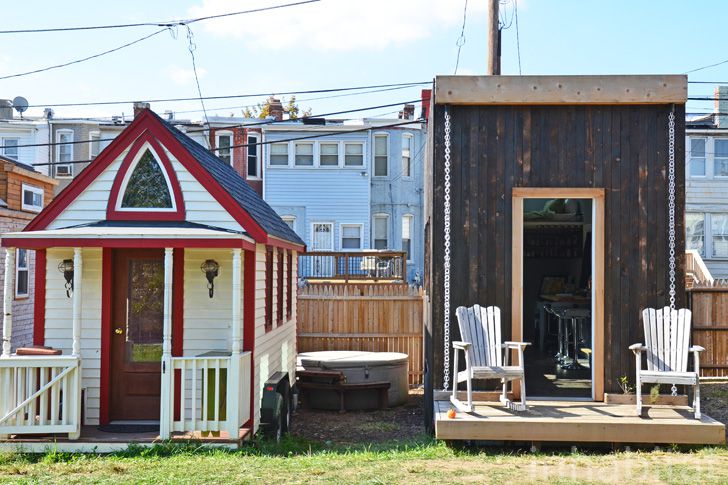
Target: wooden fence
(371,317)
(709,304)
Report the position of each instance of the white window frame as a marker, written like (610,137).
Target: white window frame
(313,237)
(257,137)
(407,136)
(708,232)
(386,229)
(91,135)
(290,218)
(713,158)
(341,236)
(313,154)
(59,144)
(374,154)
(363,155)
(704,252)
(4,141)
(339,154)
(288,154)
(411,219)
(127,176)
(229,134)
(34,190)
(18,269)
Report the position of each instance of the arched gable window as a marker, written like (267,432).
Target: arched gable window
(147,187)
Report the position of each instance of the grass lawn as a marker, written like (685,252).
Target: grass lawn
(421,461)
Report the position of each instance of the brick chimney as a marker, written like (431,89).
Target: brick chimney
(139,106)
(721,106)
(426,96)
(275,108)
(6,109)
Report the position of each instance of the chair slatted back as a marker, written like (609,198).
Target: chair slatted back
(482,328)
(667,337)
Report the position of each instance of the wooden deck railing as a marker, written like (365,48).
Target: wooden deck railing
(206,392)
(355,266)
(696,272)
(40,395)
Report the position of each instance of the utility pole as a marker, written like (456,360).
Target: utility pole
(493,38)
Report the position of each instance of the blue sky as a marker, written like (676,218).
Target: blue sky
(335,43)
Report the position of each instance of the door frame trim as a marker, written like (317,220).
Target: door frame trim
(598,238)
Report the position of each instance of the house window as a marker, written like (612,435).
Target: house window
(695,232)
(697,157)
(289,284)
(32,198)
(21,273)
(223,142)
(407,236)
(406,155)
(720,162)
(279,154)
(10,147)
(719,234)
(351,236)
(329,156)
(354,154)
(64,153)
(95,145)
(381,230)
(290,221)
(254,156)
(381,155)
(268,289)
(279,287)
(147,187)
(304,154)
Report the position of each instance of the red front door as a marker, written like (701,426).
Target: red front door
(136,334)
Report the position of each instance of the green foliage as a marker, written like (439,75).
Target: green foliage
(290,107)
(654,393)
(625,386)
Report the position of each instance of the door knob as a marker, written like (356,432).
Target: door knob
(119,330)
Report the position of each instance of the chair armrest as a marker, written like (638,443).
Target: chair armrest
(637,348)
(696,348)
(515,345)
(461,345)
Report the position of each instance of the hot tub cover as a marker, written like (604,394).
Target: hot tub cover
(344,359)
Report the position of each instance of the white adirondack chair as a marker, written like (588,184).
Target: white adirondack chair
(667,336)
(486,357)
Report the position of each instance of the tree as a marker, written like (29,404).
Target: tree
(290,107)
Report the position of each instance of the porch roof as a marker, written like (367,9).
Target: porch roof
(131,234)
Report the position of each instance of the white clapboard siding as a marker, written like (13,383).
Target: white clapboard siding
(59,320)
(280,342)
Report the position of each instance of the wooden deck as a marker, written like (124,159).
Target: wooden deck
(578,422)
(93,440)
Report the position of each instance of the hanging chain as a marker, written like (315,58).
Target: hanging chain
(671,204)
(446,259)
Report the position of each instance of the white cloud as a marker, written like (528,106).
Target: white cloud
(182,76)
(334,25)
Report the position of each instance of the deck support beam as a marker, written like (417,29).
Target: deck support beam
(8,300)
(236,330)
(166,412)
(77,298)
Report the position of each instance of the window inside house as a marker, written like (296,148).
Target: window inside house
(329,156)
(21,273)
(10,148)
(720,163)
(719,232)
(64,153)
(95,145)
(304,154)
(32,198)
(381,155)
(147,187)
(354,154)
(381,223)
(406,155)
(279,287)
(254,157)
(696,162)
(290,221)
(268,289)
(407,236)
(279,154)
(695,232)
(351,236)
(224,152)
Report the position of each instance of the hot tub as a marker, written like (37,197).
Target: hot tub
(359,367)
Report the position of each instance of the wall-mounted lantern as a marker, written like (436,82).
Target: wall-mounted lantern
(211,269)
(66,267)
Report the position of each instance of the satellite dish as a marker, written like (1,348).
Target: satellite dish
(20,104)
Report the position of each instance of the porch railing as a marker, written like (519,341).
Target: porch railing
(355,265)
(696,272)
(210,393)
(40,395)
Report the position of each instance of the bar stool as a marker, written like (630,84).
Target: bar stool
(576,316)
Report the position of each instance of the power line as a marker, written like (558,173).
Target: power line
(231,96)
(518,38)
(167,23)
(706,67)
(461,40)
(192,47)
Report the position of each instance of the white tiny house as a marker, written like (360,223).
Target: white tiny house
(167,284)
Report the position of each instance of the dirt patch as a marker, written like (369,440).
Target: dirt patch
(714,400)
(401,423)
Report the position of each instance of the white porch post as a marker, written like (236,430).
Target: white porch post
(8,300)
(76,346)
(236,330)
(166,414)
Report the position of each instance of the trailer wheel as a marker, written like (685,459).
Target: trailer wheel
(274,429)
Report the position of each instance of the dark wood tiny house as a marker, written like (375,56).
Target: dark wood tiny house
(604,138)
